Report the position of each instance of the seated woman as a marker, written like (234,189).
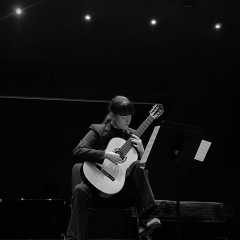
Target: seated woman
(136,190)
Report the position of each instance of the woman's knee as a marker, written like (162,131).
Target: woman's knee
(82,190)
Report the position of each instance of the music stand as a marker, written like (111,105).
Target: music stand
(180,130)
(177,147)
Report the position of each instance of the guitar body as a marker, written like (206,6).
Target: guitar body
(100,180)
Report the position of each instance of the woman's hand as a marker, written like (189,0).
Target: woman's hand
(113,157)
(137,143)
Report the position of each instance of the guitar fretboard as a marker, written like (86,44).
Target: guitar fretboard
(128,145)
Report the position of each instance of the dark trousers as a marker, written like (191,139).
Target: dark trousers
(135,192)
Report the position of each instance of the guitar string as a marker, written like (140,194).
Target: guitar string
(128,145)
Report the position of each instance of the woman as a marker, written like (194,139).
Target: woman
(136,190)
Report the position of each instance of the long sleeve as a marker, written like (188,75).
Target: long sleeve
(85,150)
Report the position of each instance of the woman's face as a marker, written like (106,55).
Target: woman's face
(122,122)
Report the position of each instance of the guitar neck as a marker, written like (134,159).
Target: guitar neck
(144,126)
(128,145)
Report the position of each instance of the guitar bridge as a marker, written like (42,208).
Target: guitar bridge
(105,172)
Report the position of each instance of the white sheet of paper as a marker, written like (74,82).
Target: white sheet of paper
(149,145)
(202,150)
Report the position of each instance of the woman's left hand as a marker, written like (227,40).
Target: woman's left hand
(137,143)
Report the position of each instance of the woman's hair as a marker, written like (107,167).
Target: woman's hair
(120,105)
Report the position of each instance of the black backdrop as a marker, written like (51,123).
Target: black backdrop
(183,63)
(37,138)
(39,134)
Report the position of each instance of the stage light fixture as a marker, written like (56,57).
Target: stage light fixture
(153,22)
(88,17)
(218,26)
(18,11)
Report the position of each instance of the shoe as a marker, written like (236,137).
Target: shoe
(150,226)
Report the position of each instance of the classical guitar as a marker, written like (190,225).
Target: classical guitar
(108,177)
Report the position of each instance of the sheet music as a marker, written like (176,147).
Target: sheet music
(202,150)
(150,144)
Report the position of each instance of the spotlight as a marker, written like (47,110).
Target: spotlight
(218,26)
(88,17)
(18,11)
(153,22)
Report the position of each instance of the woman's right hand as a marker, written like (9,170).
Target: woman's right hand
(113,157)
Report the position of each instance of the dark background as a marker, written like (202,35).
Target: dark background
(58,73)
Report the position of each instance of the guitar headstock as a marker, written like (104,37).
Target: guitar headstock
(156,111)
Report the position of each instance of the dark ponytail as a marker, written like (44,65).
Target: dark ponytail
(108,118)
